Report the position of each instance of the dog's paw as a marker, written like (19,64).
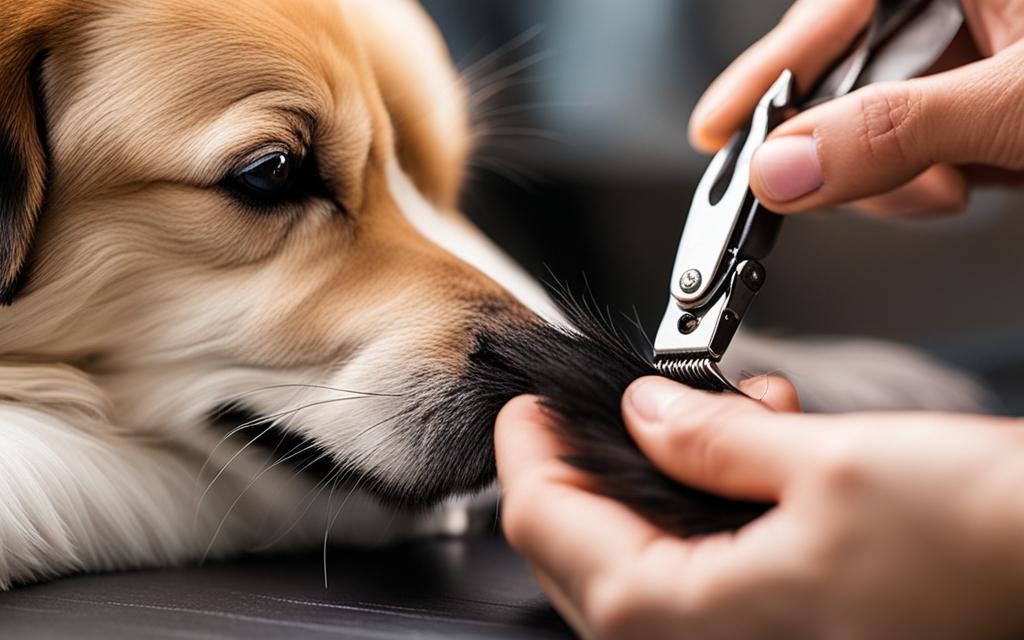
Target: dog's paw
(470,515)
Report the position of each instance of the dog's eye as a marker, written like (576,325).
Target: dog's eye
(270,176)
(277,178)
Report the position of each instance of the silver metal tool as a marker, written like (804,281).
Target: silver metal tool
(718,268)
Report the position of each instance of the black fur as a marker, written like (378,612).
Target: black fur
(581,378)
(18,213)
(13,194)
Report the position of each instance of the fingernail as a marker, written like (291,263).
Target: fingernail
(650,396)
(789,168)
(754,387)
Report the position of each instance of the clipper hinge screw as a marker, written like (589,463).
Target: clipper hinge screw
(691,281)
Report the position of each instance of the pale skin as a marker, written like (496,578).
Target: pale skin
(887,525)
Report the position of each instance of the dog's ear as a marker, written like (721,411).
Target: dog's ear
(422,91)
(23,162)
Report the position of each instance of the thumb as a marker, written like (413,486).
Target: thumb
(725,444)
(880,137)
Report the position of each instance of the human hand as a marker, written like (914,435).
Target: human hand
(887,526)
(908,148)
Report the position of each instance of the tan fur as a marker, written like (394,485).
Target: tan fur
(138,141)
(28,28)
(153,296)
(423,93)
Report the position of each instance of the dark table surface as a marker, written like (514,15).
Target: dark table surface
(473,588)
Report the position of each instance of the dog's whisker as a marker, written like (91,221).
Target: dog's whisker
(469,77)
(264,419)
(519,66)
(245,490)
(505,171)
(210,455)
(308,500)
(514,137)
(272,419)
(519,169)
(379,424)
(517,109)
(220,443)
(233,403)
(330,525)
(517,42)
(223,469)
(323,387)
(353,465)
(340,468)
(482,95)
(474,55)
(274,498)
(327,524)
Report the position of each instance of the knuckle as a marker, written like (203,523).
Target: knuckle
(839,468)
(1006,111)
(890,114)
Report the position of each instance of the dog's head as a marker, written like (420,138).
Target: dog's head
(252,202)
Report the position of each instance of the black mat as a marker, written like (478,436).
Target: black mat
(473,588)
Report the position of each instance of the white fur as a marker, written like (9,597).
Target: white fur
(107,460)
(118,470)
(78,494)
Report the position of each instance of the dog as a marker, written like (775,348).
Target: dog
(213,209)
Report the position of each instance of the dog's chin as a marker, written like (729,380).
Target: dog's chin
(442,467)
(442,444)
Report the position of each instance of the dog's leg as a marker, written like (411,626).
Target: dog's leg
(840,375)
(73,500)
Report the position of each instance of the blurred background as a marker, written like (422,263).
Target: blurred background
(583,167)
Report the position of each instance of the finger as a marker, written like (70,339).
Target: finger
(525,444)
(810,38)
(778,394)
(881,137)
(941,190)
(725,444)
(567,532)
(993,28)
(598,561)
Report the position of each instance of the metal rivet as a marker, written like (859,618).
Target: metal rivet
(752,274)
(688,323)
(691,281)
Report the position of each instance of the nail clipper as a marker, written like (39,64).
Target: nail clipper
(718,269)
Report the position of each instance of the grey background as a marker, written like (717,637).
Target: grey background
(583,167)
(586,169)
